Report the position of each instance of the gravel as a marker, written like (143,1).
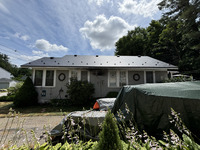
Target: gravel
(15,129)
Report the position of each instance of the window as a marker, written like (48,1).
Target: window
(149,76)
(113,79)
(74,74)
(38,77)
(84,75)
(44,78)
(117,78)
(49,78)
(122,78)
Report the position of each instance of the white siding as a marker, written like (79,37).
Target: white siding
(5,74)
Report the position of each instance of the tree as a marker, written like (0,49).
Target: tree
(170,43)
(109,136)
(27,95)
(153,32)
(134,43)
(13,69)
(188,13)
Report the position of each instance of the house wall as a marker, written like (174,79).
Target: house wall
(160,76)
(131,81)
(5,74)
(4,85)
(57,92)
(98,77)
(100,81)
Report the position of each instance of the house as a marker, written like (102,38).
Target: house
(5,79)
(107,73)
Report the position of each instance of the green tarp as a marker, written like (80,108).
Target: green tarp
(151,105)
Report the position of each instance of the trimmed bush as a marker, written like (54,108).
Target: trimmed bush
(27,95)
(7,98)
(112,94)
(80,92)
(61,102)
(109,136)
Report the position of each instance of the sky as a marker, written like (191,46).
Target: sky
(31,29)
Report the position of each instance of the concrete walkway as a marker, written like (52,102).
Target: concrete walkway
(18,130)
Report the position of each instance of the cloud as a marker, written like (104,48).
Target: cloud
(36,55)
(22,37)
(40,53)
(4,9)
(146,8)
(46,46)
(98,2)
(103,33)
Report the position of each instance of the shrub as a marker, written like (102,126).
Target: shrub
(109,136)
(80,92)
(61,102)
(112,94)
(27,95)
(7,98)
(15,89)
(179,79)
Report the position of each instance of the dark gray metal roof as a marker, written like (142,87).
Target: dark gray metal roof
(100,62)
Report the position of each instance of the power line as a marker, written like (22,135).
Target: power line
(13,50)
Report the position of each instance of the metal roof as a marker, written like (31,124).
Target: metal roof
(100,62)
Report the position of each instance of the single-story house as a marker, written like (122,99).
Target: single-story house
(107,73)
(5,79)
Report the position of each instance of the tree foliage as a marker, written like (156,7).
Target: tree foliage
(27,95)
(186,12)
(13,69)
(173,39)
(133,43)
(109,136)
(80,92)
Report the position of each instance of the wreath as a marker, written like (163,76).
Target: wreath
(61,77)
(136,77)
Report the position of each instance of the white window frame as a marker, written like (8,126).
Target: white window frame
(154,76)
(44,77)
(79,74)
(118,77)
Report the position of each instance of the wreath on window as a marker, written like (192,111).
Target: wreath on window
(61,77)
(136,77)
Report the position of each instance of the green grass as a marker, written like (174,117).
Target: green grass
(40,110)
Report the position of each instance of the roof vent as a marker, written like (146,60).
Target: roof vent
(75,55)
(51,57)
(97,55)
(118,56)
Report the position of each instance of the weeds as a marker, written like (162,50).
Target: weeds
(129,133)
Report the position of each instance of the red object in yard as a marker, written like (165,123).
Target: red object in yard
(96,106)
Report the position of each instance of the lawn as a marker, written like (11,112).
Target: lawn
(40,110)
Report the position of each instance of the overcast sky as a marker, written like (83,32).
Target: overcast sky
(31,29)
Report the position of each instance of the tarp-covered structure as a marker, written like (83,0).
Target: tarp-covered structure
(151,105)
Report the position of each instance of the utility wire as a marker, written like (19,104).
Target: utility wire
(11,52)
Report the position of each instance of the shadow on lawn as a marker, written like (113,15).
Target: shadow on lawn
(44,109)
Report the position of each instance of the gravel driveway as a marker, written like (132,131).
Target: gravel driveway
(17,136)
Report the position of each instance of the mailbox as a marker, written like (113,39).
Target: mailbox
(43,93)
